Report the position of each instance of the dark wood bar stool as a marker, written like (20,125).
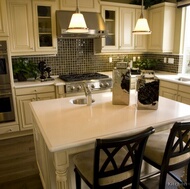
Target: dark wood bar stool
(170,151)
(113,163)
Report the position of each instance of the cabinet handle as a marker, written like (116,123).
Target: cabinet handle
(10,130)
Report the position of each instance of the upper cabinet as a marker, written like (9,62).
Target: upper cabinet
(3,18)
(162,24)
(84,5)
(111,17)
(20,25)
(44,26)
(32,27)
(120,20)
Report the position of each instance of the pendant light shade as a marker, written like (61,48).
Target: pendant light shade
(77,23)
(142,27)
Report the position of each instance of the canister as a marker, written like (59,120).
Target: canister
(147,90)
(121,84)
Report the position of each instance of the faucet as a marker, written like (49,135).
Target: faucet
(88,93)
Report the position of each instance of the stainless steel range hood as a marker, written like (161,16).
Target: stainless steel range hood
(94,22)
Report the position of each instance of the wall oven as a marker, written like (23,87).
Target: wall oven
(6,104)
(6,99)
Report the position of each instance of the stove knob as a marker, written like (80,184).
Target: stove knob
(92,86)
(107,84)
(101,85)
(79,87)
(72,88)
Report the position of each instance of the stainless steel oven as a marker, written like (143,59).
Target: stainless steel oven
(4,66)
(6,99)
(6,104)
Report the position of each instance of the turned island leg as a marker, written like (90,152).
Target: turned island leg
(61,166)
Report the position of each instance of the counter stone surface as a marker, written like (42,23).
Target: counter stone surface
(65,125)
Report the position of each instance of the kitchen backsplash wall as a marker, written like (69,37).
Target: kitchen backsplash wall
(77,56)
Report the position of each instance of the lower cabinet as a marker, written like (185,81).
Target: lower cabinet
(26,95)
(175,91)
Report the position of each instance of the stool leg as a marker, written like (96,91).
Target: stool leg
(162,181)
(188,176)
(77,180)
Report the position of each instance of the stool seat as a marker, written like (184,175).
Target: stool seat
(155,152)
(84,163)
(168,152)
(113,163)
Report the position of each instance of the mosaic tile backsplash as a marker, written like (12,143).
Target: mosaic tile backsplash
(77,56)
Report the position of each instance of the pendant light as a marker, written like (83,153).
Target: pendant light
(77,23)
(142,27)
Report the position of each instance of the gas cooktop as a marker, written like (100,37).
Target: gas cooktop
(82,77)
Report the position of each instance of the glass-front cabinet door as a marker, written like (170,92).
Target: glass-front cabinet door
(45,34)
(44,26)
(110,15)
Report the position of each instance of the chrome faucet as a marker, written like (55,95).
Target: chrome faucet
(88,93)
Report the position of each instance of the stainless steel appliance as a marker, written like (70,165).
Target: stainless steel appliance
(6,99)
(93,20)
(4,69)
(96,82)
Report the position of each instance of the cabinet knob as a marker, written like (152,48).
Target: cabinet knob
(10,130)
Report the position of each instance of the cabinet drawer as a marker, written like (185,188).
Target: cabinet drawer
(9,129)
(34,90)
(184,88)
(170,85)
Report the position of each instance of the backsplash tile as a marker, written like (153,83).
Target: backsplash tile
(77,56)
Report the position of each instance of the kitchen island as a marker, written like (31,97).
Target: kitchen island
(62,129)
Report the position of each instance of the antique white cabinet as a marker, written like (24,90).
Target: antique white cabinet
(168,89)
(162,23)
(20,25)
(84,5)
(3,18)
(24,96)
(32,27)
(184,94)
(175,91)
(120,21)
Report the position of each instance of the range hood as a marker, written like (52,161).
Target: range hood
(94,22)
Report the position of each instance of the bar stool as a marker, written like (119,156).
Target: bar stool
(113,163)
(168,152)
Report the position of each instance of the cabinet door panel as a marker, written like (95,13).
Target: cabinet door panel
(184,97)
(111,18)
(156,25)
(3,19)
(21,29)
(168,93)
(127,24)
(46,96)
(25,115)
(84,5)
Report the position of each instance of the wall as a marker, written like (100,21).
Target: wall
(77,56)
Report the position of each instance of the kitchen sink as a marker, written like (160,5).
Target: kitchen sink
(80,101)
(183,79)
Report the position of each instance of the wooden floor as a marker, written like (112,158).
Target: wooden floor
(18,168)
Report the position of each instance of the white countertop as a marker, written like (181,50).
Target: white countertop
(65,125)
